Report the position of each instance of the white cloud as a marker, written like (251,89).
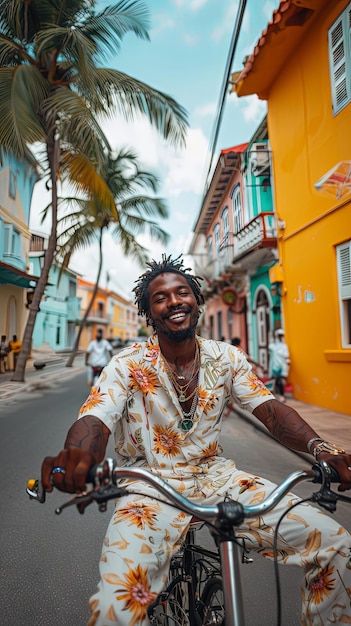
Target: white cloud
(180,168)
(186,167)
(206,110)
(190,40)
(161,23)
(226,23)
(195,5)
(254,109)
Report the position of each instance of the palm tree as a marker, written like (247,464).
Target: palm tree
(54,91)
(131,217)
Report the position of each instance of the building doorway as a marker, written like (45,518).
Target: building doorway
(262,327)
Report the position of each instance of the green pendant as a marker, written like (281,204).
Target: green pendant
(186,424)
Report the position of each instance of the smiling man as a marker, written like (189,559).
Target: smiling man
(163,400)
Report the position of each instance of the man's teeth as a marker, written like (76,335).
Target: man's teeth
(176,316)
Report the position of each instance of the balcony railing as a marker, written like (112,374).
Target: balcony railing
(259,232)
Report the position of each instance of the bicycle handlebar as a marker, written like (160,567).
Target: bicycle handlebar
(104,477)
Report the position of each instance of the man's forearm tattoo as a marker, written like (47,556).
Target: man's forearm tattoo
(88,434)
(286,425)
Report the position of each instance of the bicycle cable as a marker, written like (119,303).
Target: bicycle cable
(275,557)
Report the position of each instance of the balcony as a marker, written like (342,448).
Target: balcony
(99,316)
(260,232)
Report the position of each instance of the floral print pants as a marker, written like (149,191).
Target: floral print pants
(144,533)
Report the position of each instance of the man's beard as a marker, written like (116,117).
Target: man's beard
(180,335)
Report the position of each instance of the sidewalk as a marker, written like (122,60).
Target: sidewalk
(335,427)
(53,371)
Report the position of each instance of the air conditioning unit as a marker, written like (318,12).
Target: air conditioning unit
(259,159)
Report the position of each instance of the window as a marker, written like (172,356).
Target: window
(219,325)
(11,241)
(339,44)
(217,239)
(210,247)
(343,258)
(211,327)
(12,185)
(225,223)
(237,212)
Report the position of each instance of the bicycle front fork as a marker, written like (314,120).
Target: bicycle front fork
(232,590)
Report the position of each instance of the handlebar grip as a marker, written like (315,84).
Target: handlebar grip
(322,471)
(102,473)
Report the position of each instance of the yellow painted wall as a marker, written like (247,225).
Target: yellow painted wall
(307,141)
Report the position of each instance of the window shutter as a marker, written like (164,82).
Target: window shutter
(7,239)
(344,270)
(339,60)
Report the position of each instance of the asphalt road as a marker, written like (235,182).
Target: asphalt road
(49,562)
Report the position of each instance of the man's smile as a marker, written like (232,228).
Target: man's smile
(177,316)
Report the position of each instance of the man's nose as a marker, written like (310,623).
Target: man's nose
(173,299)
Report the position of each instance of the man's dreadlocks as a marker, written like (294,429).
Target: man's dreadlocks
(155,268)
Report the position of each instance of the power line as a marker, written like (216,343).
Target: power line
(224,87)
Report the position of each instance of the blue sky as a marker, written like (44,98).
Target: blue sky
(186,58)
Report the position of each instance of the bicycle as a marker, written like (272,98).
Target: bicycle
(204,586)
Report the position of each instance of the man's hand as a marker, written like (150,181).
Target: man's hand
(85,446)
(67,471)
(342,464)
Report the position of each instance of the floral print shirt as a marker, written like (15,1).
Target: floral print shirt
(136,400)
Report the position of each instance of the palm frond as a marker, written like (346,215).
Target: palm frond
(108,27)
(22,90)
(132,98)
(144,205)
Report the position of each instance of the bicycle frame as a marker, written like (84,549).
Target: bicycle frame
(221,518)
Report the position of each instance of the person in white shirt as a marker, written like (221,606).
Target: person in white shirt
(279,363)
(98,354)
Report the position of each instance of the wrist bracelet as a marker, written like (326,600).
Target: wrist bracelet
(311,441)
(330,448)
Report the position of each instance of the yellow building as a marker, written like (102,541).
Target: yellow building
(302,66)
(111,312)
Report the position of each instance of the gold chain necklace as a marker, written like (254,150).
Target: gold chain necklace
(182,389)
(187,421)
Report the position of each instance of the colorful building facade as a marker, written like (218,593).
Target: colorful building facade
(59,313)
(17,180)
(234,246)
(302,67)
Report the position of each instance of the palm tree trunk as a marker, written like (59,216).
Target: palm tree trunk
(34,307)
(84,319)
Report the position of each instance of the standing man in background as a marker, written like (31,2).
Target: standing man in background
(279,363)
(15,346)
(98,354)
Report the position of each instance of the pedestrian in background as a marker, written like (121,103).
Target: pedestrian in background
(98,354)
(15,346)
(279,364)
(4,351)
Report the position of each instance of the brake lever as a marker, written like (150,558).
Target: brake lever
(100,496)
